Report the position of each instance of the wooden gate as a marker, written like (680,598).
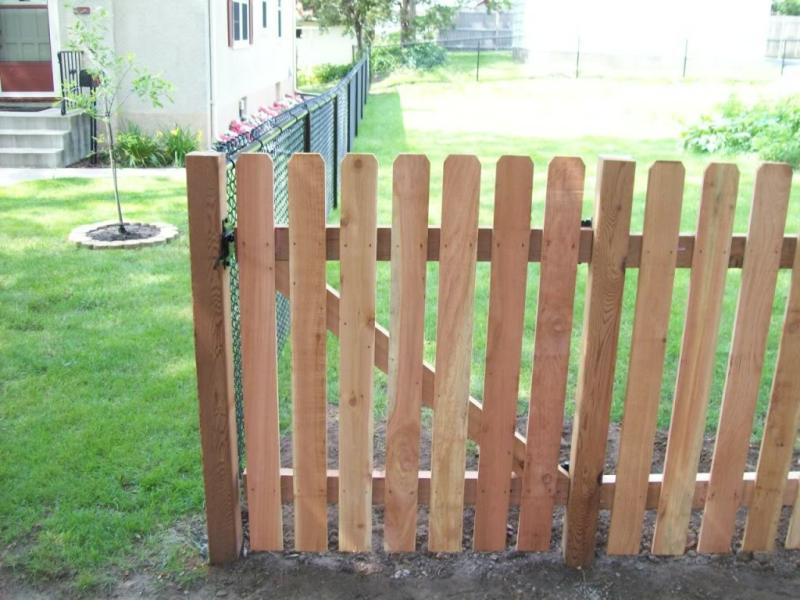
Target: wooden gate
(514,469)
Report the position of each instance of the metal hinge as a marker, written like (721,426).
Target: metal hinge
(227,246)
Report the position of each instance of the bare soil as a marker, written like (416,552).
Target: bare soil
(508,574)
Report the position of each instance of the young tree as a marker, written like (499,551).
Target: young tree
(116,77)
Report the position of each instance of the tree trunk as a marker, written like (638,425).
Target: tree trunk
(408,14)
(359,31)
(113,162)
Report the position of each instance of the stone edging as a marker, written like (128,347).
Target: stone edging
(80,236)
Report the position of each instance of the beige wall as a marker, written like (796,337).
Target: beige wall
(172,38)
(254,70)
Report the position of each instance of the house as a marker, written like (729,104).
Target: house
(225,58)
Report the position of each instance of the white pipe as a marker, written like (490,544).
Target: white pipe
(211,63)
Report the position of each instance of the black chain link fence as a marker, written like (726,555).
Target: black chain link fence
(326,124)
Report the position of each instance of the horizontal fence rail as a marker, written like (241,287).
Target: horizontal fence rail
(514,470)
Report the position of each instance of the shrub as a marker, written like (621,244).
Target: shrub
(322,74)
(135,148)
(385,59)
(176,143)
(771,130)
(424,57)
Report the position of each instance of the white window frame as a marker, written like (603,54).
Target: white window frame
(244,24)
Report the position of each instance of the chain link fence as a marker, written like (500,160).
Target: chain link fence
(326,124)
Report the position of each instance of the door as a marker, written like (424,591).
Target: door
(25,57)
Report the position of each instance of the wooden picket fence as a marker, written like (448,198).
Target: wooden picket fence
(513,469)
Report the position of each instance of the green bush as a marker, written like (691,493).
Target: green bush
(422,57)
(770,130)
(786,7)
(385,59)
(136,148)
(322,74)
(176,143)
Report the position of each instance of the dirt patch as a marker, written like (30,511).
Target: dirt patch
(612,450)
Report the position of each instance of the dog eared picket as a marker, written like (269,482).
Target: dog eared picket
(514,470)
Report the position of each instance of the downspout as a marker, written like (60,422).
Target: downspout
(211,62)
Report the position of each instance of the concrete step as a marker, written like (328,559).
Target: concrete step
(47,119)
(32,138)
(48,158)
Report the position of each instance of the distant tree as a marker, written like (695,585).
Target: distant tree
(362,17)
(435,16)
(116,77)
(786,7)
(359,17)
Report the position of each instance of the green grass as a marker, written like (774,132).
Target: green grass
(444,112)
(99,452)
(98,422)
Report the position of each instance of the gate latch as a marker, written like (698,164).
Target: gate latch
(227,246)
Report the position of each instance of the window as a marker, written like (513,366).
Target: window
(280,18)
(264,14)
(240,22)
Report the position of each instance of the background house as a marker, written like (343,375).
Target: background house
(224,57)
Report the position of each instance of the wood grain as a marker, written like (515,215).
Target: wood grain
(475,408)
(460,190)
(683,256)
(308,338)
(508,279)
(604,288)
(701,328)
(205,183)
(648,345)
(357,350)
(561,233)
(411,181)
(608,486)
(746,359)
(780,432)
(256,257)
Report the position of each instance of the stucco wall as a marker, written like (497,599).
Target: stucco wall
(252,71)
(172,38)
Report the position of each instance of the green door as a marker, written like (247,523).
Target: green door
(25,57)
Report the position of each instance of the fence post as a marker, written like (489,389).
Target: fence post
(578,60)
(335,150)
(205,183)
(478,63)
(783,57)
(307,130)
(685,56)
(604,288)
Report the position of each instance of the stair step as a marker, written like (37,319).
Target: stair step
(32,138)
(49,119)
(31,157)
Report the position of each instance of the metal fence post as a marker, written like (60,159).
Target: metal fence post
(578,60)
(335,150)
(685,56)
(783,57)
(478,63)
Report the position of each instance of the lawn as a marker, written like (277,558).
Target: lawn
(99,451)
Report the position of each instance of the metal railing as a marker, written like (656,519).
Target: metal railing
(74,80)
